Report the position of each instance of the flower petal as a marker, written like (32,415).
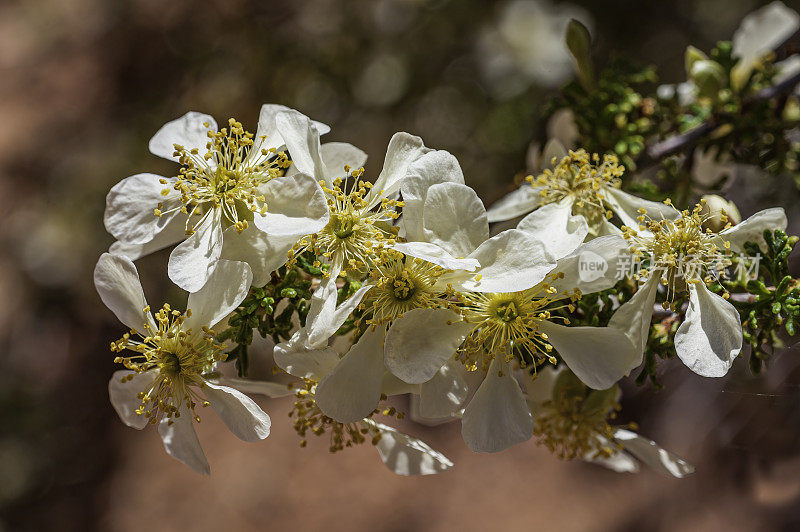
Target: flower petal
(599,356)
(192,262)
(268,128)
(297,359)
(634,316)
(760,32)
(510,262)
(434,167)
(752,229)
(188,131)
(130,208)
(243,417)
(124,396)
(225,289)
(352,390)
(117,282)
(408,456)
(540,389)
(403,150)
(710,337)
(556,227)
(651,454)
(174,232)
(627,206)
(454,218)
(302,141)
(594,266)
(521,201)
(445,393)
(435,255)
(420,342)
(324,317)
(498,416)
(264,253)
(337,155)
(620,462)
(180,441)
(296,207)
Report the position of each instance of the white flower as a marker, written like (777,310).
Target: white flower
(170,356)
(759,33)
(401,453)
(576,197)
(228,201)
(682,257)
(573,424)
(361,215)
(491,327)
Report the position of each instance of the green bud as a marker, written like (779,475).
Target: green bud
(692,56)
(709,77)
(579,42)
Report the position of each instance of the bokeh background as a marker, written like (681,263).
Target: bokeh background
(83,86)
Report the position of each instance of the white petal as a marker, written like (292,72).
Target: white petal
(188,131)
(267,127)
(752,229)
(254,386)
(243,417)
(521,201)
(297,359)
(192,262)
(324,317)
(225,289)
(760,32)
(124,396)
(180,441)
(454,218)
(302,142)
(174,232)
(620,462)
(556,227)
(117,282)
(296,206)
(337,155)
(419,343)
(710,337)
(498,416)
(593,266)
(403,150)
(130,208)
(431,168)
(409,456)
(264,253)
(352,390)
(651,454)
(510,262)
(444,395)
(540,389)
(436,255)
(627,206)
(599,356)
(553,152)
(634,315)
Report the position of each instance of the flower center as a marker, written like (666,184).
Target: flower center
(226,177)
(178,357)
(574,422)
(507,325)
(356,231)
(679,250)
(402,284)
(581,177)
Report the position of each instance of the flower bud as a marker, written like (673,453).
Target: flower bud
(719,211)
(709,77)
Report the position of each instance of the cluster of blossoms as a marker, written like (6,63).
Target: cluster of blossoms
(412,294)
(399,286)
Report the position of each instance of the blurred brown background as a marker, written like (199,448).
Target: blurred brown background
(85,83)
